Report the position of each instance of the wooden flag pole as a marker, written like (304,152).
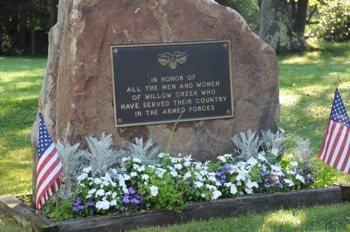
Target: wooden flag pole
(40,106)
(338,81)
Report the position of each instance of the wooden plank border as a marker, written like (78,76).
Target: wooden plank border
(198,211)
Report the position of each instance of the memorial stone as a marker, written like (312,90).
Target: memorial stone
(134,68)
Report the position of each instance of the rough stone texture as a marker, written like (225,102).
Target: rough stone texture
(77,94)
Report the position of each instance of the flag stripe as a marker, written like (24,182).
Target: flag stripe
(335,147)
(49,167)
(335,138)
(342,151)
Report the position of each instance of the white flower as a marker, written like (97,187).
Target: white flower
(198,184)
(82,176)
(294,164)
(233,188)
(217,183)
(108,193)
(187,175)
(198,176)
(174,173)
(261,156)
(203,195)
(90,192)
(135,166)
(100,192)
(187,163)
(113,203)
(114,195)
(242,174)
(141,169)
(216,195)
(252,161)
(126,177)
(289,182)
(290,172)
(87,169)
(105,182)
(274,151)
(222,159)
(175,160)
(251,184)
(133,174)
(125,159)
(276,168)
(114,171)
(97,181)
(249,191)
(144,177)
(178,166)
(113,183)
(210,187)
(161,155)
(154,190)
(211,176)
(299,177)
(102,205)
(160,172)
(136,160)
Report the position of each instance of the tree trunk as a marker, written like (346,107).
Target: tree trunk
(22,24)
(276,27)
(300,17)
(32,42)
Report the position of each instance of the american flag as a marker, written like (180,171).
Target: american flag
(335,148)
(49,167)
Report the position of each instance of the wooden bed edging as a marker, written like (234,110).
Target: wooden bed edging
(216,209)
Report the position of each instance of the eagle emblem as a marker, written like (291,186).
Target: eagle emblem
(172,59)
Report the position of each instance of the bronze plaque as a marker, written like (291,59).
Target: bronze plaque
(162,83)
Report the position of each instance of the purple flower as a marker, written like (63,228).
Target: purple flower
(134,201)
(126,199)
(131,191)
(78,200)
(90,203)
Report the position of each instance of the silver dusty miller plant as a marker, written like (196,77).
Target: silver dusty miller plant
(270,142)
(72,165)
(247,145)
(302,151)
(145,153)
(101,157)
(250,145)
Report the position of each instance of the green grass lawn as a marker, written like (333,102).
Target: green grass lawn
(20,84)
(307,85)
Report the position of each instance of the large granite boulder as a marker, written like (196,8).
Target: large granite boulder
(77,94)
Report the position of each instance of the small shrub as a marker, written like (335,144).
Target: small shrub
(334,25)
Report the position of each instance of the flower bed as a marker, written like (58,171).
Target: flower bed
(103,181)
(104,186)
(219,208)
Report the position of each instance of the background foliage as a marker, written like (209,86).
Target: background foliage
(334,24)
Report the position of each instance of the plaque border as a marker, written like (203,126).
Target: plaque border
(116,125)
